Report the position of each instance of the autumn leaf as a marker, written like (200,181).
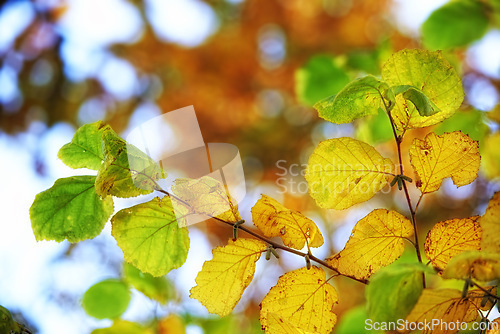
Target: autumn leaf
(280,325)
(274,220)
(124,327)
(172,324)
(70,210)
(429,73)
(222,280)
(126,171)
(452,237)
(344,171)
(490,224)
(474,264)
(436,157)
(207,196)
(150,237)
(494,327)
(375,241)
(362,97)
(445,305)
(304,299)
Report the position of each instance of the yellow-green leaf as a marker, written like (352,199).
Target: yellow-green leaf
(70,210)
(158,288)
(222,280)
(107,299)
(85,149)
(376,241)
(490,223)
(362,97)
(126,171)
(436,157)
(124,327)
(295,229)
(452,237)
(344,171)
(430,73)
(304,298)
(150,237)
(479,265)
(207,196)
(446,306)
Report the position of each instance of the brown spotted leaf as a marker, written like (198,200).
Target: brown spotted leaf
(304,298)
(436,157)
(275,220)
(474,264)
(445,305)
(376,241)
(452,237)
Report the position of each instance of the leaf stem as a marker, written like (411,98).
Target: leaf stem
(399,140)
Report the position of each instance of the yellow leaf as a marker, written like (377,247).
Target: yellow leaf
(494,327)
(172,324)
(376,241)
(344,171)
(490,223)
(452,237)
(430,73)
(444,306)
(490,156)
(436,157)
(207,196)
(280,325)
(479,265)
(222,280)
(304,298)
(274,220)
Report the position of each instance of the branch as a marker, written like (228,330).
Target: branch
(266,240)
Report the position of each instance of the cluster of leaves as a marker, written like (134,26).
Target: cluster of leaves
(417,89)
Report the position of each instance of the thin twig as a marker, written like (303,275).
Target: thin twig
(268,241)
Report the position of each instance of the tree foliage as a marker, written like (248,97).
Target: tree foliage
(418,88)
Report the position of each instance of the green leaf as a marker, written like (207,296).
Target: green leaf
(455,24)
(123,327)
(469,122)
(393,291)
(8,324)
(424,106)
(70,210)
(375,128)
(157,288)
(431,74)
(318,78)
(126,171)
(85,149)
(107,299)
(150,237)
(359,98)
(352,321)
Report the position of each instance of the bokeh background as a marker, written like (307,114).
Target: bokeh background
(252,69)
